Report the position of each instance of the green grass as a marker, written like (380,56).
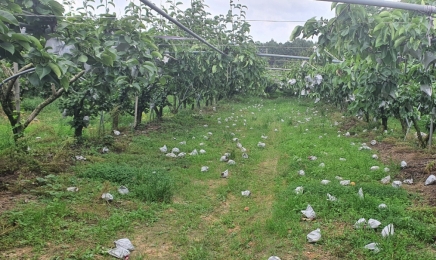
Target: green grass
(203,216)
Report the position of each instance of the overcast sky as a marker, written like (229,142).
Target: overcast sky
(276,10)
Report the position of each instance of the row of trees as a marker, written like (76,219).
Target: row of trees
(388,63)
(103,63)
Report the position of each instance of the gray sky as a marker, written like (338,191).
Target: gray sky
(277,10)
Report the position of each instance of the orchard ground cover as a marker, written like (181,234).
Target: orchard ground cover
(175,211)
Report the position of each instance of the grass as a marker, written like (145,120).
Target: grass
(175,211)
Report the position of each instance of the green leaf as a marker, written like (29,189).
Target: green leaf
(65,82)
(8,47)
(55,69)
(20,37)
(399,41)
(3,28)
(83,58)
(34,80)
(296,32)
(35,42)
(429,58)
(42,71)
(156,54)
(213,68)
(56,8)
(8,17)
(107,60)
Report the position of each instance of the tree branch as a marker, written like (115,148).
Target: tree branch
(49,100)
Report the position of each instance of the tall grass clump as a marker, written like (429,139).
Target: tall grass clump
(143,183)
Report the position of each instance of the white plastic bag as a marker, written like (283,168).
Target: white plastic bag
(373,142)
(360,223)
(309,212)
(202,151)
(375,156)
(373,223)
(107,196)
(386,179)
(225,174)
(388,230)
(119,252)
(396,184)
(325,182)
(73,189)
(124,243)
(408,181)
(245,156)
(314,236)
(260,144)
(204,168)
(403,164)
(194,152)
(274,258)
(375,168)
(245,193)
(175,150)
(430,180)
(299,190)
(171,155)
(360,193)
(224,158)
(123,190)
(382,206)
(181,155)
(345,182)
(301,173)
(231,162)
(373,247)
(331,197)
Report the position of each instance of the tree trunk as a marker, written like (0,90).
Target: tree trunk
(8,106)
(385,123)
(138,118)
(422,143)
(78,131)
(384,119)
(366,116)
(115,120)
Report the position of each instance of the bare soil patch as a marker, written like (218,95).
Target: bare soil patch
(420,165)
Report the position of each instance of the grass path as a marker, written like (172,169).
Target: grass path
(233,226)
(208,218)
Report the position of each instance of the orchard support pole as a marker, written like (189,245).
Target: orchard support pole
(181,26)
(397,5)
